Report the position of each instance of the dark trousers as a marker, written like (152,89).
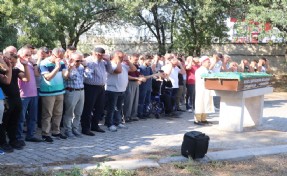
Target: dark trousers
(114,107)
(94,103)
(190,96)
(173,98)
(13,108)
(144,100)
(166,99)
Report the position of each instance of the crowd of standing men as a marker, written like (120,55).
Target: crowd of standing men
(42,87)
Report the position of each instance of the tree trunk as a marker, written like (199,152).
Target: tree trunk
(161,48)
(74,41)
(63,41)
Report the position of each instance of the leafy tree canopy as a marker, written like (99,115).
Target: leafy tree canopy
(48,22)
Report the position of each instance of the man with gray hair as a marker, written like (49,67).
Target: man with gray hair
(53,71)
(29,97)
(75,96)
(10,50)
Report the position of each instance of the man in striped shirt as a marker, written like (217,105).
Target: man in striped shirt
(74,96)
(99,64)
(53,71)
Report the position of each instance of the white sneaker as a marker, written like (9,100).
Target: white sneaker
(190,110)
(113,128)
(122,126)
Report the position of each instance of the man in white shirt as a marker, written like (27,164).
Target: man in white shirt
(115,89)
(172,68)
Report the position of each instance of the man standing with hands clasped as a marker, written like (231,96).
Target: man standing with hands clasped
(52,89)
(203,96)
(13,103)
(116,86)
(75,96)
(99,64)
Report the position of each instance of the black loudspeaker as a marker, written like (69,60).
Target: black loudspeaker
(194,145)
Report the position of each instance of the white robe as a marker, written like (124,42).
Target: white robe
(203,97)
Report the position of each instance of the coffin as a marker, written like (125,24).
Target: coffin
(231,81)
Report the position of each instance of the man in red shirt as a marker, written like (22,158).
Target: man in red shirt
(191,65)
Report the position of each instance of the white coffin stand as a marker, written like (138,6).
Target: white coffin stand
(241,109)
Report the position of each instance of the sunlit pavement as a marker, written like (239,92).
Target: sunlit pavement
(157,135)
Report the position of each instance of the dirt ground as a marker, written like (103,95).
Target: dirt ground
(260,166)
(273,165)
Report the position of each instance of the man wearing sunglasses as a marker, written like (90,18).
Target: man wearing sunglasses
(74,96)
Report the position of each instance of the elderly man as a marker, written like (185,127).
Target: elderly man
(29,97)
(99,64)
(10,49)
(203,97)
(115,89)
(75,96)
(53,71)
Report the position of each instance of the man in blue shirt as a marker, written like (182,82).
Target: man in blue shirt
(145,87)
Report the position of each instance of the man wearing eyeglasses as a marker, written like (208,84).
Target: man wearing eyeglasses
(74,96)
(99,64)
(42,54)
(29,98)
(52,89)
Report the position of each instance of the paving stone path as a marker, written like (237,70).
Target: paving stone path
(157,135)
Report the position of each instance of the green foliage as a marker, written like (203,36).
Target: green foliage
(261,12)
(198,22)
(8,33)
(152,15)
(48,22)
(192,167)
(107,171)
(74,172)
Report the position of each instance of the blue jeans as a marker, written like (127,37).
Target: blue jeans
(114,102)
(30,108)
(144,101)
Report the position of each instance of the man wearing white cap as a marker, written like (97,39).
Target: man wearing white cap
(203,97)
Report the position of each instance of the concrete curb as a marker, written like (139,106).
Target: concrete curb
(122,164)
(132,164)
(242,154)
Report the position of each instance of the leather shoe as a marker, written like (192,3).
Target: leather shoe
(98,130)
(198,123)
(88,133)
(33,139)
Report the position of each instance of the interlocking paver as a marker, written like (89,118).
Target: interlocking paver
(157,135)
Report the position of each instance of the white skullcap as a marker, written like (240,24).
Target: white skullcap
(203,58)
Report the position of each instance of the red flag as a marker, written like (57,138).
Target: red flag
(267,26)
(233,20)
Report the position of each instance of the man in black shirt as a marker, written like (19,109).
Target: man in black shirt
(13,104)
(162,87)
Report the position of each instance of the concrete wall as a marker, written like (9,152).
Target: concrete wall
(274,53)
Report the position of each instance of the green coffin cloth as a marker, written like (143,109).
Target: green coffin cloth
(234,75)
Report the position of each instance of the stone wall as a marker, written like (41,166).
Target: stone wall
(274,53)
